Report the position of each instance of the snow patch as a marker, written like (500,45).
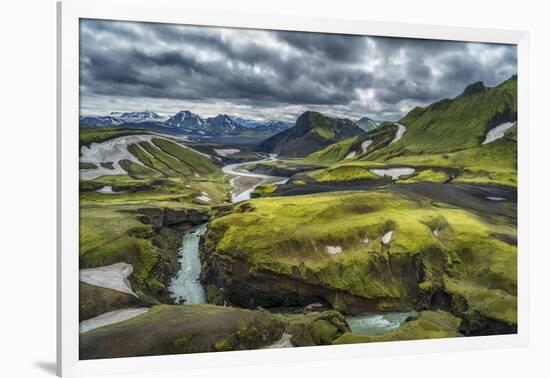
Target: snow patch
(204,197)
(112,150)
(226,151)
(113,277)
(386,239)
(107,189)
(313,306)
(399,133)
(365,145)
(284,342)
(111,317)
(334,250)
(351,155)
(495,198)
(498,132)
(394,173)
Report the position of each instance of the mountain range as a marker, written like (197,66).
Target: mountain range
(445,126)
(187,122)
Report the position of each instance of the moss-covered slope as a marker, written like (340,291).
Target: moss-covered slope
(454,124)
(296,250)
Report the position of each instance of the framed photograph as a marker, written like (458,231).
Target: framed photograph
(240,188)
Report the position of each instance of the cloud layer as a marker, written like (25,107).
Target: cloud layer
(127,66)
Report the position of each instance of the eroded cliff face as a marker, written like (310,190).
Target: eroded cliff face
(393,287)
(166,217)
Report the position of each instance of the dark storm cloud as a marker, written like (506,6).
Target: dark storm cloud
(264,73)
(336,47)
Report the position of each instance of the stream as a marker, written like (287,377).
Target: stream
(185,286)
(377,324)
(237,171)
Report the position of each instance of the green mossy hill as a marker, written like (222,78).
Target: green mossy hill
(313,131)
(346,172)
(169,329)
(163,179)
(198,163)
(454,124)
(293,250)
(263,190)
(361,145)
(425,325)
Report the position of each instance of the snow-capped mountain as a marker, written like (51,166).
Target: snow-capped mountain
(186,120)
(223,123)
(104,121)
(366,124)
(137,117)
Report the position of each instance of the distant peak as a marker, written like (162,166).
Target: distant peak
(476,87)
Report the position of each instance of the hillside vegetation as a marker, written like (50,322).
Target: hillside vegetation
(280,246)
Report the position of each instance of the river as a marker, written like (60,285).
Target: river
(185,286)
(377,324)
(237,171)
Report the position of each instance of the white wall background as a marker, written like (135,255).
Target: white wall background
(27,210)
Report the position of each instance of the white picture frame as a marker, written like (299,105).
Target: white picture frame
(69,13)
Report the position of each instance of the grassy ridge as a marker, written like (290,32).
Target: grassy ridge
(194,160)
(344,173)
(455,124)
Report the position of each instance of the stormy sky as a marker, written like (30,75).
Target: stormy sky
(274,75)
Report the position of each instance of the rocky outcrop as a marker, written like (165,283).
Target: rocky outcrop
(94,300)
(166,217)
(239,283)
